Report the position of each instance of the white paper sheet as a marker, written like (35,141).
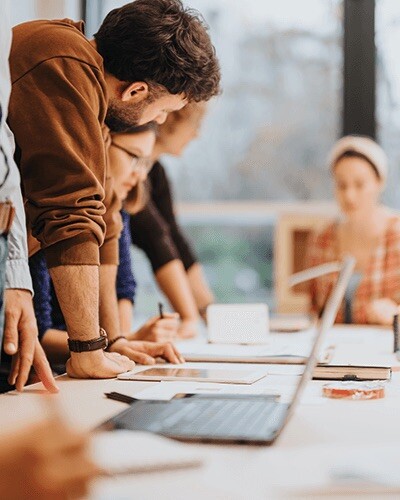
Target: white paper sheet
(246,350)
(123,452)
(167,390)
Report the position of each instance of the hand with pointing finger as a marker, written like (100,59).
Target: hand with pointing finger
(21,341)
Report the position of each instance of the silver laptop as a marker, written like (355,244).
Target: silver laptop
(249,419)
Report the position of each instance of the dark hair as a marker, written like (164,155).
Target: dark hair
(355,154)
(137,129)
(162,43)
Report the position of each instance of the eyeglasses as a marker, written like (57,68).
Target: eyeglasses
(143,163)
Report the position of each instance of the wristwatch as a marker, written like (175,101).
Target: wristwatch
(89,345)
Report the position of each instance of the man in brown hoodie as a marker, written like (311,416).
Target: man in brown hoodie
(148,58)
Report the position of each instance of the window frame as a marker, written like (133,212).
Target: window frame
(359,69)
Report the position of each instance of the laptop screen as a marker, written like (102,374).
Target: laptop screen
(324,324)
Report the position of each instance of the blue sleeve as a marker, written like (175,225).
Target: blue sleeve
(126,284)
(42,288)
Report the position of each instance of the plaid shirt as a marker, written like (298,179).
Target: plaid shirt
(381,278)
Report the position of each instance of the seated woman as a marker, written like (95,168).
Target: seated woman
(156,231)
(367,230)
(129,167)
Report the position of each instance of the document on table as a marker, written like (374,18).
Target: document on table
(164,391)
(277,352)
(125,452)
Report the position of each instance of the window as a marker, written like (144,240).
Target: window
(277,118)
(281,107)
(388,91)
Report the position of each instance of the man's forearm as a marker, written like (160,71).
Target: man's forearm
(77,290)
(109,314)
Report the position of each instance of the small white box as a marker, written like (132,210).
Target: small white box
(238,323)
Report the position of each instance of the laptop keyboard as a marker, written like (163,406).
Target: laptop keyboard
(224,418)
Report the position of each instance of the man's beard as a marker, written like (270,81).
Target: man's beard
(121,117)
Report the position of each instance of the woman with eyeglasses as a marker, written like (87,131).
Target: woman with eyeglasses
(129,162)
(156,231)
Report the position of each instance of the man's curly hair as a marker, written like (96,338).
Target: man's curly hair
(162,43)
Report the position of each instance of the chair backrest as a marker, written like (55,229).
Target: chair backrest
(292,233)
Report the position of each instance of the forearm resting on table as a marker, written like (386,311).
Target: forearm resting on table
(173,281)
(55,342)
(77,289)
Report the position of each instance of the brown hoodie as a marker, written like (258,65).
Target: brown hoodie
(57,108)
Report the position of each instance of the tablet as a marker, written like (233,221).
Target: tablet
(221,376)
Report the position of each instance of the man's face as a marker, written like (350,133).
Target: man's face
(124,115)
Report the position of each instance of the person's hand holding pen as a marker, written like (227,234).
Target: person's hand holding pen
(162,328)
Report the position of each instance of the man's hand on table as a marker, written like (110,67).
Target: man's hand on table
(98,364)
(145,353)
(21,340)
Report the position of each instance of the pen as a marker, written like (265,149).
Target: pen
(396,332)
(117,396)
(161,309)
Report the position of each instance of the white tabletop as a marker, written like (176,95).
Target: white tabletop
(321,432)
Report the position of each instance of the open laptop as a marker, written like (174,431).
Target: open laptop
(249,419)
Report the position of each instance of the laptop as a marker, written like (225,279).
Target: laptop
(248,419)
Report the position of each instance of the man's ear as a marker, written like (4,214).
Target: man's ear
(135,92)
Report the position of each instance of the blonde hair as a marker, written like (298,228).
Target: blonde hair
(192,113)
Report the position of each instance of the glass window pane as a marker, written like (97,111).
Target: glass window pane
(236,256)
(265,138)
(280,110)
(388,91)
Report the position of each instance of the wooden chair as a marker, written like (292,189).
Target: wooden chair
(292,234)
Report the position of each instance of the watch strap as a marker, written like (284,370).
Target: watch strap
(89,345)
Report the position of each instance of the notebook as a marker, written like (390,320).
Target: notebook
(352,372)
(280,353)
